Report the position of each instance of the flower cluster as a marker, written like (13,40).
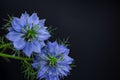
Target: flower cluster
(53,61)
(28,34)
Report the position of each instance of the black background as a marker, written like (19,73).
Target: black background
(91,25)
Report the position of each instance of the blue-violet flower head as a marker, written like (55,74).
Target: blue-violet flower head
(53,62)
(28,33)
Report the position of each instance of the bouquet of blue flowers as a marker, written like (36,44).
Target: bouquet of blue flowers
(27,40)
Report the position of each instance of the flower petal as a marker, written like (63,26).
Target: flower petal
(66,68)
(36,65)
(33,19)
(52,77)
(28,49)
(19,44)
(42,71)
(36,46)
(13,36)
(62,72)
(52,47)
(62,50)
(42,31)
(42,44)
(24,17)
(66,60)
(52,71)
(17,24)
(41,23)
(42,56)
(43,37)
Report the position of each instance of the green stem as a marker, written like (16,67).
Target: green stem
(14,57)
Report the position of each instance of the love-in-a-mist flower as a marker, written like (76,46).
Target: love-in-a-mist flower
(53,62)
(28,33)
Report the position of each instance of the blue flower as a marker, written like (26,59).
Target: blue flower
(53,62)
(28,33)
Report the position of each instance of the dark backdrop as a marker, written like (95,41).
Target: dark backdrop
(91,25)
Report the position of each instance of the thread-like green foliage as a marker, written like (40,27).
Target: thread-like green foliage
(3,44)
(73,64)
(28,70)
(64,41)
(51,30)
(8,22)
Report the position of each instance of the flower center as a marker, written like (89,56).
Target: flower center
(52,61)
(29,36)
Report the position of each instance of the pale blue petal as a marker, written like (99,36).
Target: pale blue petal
(56,47)
(62,50)
(51,77)
(42,71)
(36,65)
(52,71)
(39,64)
(66,68)
(28,49)
(43,56)
(41,23)
(42,44)
(51,48)
(36,46)
(62,72)
(55,44)
(43,76)
(13,36)
(24,18)
(17,24)
(55,78)
(45,27)
(66,60)
(42,31)
(19,44)
(43,37)
(33,19)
